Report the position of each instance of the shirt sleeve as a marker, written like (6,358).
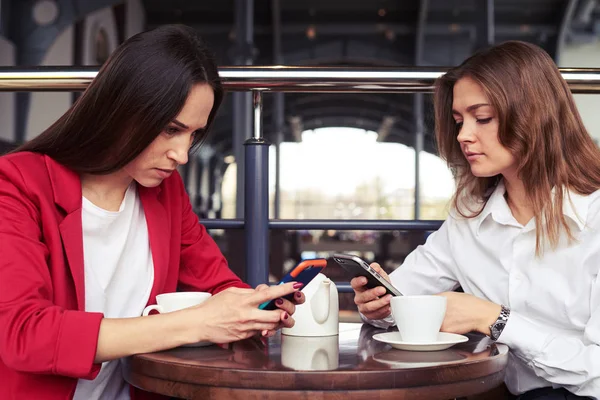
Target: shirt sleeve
(563,360)
(203,267)
(36,335)
(429,269)
(379,323)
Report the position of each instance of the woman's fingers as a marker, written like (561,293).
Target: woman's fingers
(277,319)
(273,292)
(358,284)
(267,322)
(264,326)
(286,305)
(266,316)
(375,305)
(262,286)
(299,298)
(378,314)
(380,271)
(369,301)
(286,320)
(369,295)
(269,334)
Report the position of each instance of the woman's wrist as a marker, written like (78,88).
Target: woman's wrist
(188,327)
(122,337)
(489,315)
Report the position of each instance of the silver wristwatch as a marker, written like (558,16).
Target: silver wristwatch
(497,327)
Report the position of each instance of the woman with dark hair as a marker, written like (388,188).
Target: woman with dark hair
(522,238)
(95,222)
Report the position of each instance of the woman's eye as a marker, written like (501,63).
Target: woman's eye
(484,120)
(458,124)
(171,131)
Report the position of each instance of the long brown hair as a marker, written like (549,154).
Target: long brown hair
(138,91)
(538,122)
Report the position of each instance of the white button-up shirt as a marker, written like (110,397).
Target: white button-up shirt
(554,327)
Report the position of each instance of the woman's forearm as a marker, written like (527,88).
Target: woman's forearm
(122,337)
(228,316)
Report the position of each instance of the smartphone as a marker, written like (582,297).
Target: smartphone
(303,272)
(358,267)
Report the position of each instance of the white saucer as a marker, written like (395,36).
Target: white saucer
(414,359)
(444,341)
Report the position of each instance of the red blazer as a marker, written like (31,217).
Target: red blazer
(47,340)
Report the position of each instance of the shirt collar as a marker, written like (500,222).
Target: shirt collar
(496,208)
(575,207)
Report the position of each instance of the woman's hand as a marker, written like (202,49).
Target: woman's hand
(283,304)
(466,313)
(369,301)
(233,314)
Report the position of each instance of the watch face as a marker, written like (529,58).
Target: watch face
(496,330)
(495,333)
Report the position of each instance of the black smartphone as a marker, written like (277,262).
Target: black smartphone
(358,267)
(303,272)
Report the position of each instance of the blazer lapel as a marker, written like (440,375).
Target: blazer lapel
(158,234)
(71,232)
(66,188)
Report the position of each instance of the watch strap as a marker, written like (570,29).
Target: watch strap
(497,327)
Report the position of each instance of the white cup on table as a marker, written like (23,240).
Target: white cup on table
(169,302)
(419,318)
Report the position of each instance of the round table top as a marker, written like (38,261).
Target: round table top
(351,362)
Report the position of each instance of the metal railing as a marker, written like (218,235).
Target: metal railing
(282,79)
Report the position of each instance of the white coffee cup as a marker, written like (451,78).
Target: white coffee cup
(419,318)
(169,302)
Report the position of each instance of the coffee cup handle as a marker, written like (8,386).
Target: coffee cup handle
(150,308)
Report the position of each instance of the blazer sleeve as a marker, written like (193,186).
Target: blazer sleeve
(36,335)
(203,267)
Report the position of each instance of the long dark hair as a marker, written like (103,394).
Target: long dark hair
(138,91)
(538,122)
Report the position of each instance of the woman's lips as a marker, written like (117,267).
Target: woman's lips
(164,173)
(473,156)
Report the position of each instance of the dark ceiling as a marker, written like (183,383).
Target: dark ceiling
(370,33)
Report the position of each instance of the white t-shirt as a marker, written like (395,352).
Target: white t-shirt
(119,274)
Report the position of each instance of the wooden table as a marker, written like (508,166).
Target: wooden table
(349,366)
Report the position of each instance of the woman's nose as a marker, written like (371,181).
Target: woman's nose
(179,153)
(465,133)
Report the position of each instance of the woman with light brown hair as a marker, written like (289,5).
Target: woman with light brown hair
(523,235)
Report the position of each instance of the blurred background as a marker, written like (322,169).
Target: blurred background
(333,156)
